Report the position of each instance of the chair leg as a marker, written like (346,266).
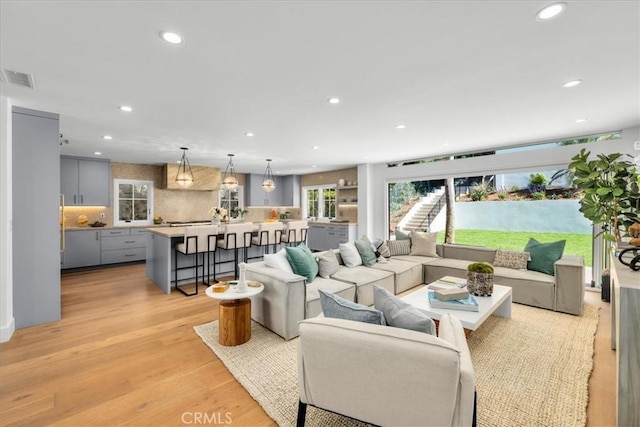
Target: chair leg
(176,275)
(235,262)
(302,413)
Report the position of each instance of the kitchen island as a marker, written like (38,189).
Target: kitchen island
(161,242)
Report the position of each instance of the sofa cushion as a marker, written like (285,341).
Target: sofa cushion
(400,314)
(544,255)
(302,261)
(340,308)
(423,244)
(327,263)
(468,252)
(399,247)
(336,287)
(407,274)
(364,247)
(350,255)
(278,260)
(516,260)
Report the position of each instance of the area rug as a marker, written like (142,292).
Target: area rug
(531,370)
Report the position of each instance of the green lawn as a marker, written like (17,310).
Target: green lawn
(577,244)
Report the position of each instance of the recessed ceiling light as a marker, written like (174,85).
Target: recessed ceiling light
(572,83)
(401,126)
(108,137)
(125,108)
(248,134)
(445,144)
(333,101)
(314,166)
(97,153)
(551,11)
(315,147)
(170,37)
(581,120)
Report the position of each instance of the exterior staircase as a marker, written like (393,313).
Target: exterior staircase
(424,212)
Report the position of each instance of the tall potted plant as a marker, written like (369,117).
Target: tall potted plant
(609,187)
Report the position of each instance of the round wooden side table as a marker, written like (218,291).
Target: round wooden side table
(234,313)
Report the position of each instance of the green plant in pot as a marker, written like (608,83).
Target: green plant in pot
(480,278)
(609,189)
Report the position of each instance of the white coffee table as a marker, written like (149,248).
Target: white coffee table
(498,304)
(234,314)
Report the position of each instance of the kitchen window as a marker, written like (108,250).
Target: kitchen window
(231,200)
(319,201)
(133,202)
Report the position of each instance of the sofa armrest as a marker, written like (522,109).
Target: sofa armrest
(450,329)
(570,283)
(282,304)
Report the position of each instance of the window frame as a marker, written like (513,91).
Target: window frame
(116,202)
(240,190)
(321,200)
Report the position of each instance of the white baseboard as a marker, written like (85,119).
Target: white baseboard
(7,331)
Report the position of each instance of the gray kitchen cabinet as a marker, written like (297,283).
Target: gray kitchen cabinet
(291,190)
(82,248)
(287,192)
(123,245)
(256,196)
(322,237)
(35,224)
(317,237)
(85,182)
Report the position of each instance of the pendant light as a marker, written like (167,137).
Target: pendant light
(229,180)
(268,185)
(185,174)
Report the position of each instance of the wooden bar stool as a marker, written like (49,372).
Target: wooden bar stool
(198,241)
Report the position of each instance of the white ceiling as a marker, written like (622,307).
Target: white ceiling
(461,75)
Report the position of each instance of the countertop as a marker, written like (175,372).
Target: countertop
(343,224)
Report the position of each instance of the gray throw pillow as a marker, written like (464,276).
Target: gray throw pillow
(340,308)
(399,247)
(400,314)
(327,263)
(382,248)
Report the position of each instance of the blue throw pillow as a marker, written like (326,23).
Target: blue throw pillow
(340,308)
(302,261)
(544,255)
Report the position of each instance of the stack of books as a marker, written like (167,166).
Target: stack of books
(448,282)
(467,304)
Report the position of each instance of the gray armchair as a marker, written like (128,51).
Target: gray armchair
(386,376)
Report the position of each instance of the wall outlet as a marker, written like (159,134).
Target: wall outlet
(101,215)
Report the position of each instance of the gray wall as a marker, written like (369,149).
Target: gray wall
(552,216)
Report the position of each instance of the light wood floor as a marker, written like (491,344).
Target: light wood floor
(125,353)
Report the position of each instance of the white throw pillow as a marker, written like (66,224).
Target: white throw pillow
(278,260)
(350,255)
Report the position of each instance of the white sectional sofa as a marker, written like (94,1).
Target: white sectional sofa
(288,299)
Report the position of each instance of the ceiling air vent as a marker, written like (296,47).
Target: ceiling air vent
(17,78)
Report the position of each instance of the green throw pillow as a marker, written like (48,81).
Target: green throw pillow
(544,255)
(302,261)
(402,236)
(366,251)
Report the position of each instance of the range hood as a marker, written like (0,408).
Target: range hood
(205,178)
